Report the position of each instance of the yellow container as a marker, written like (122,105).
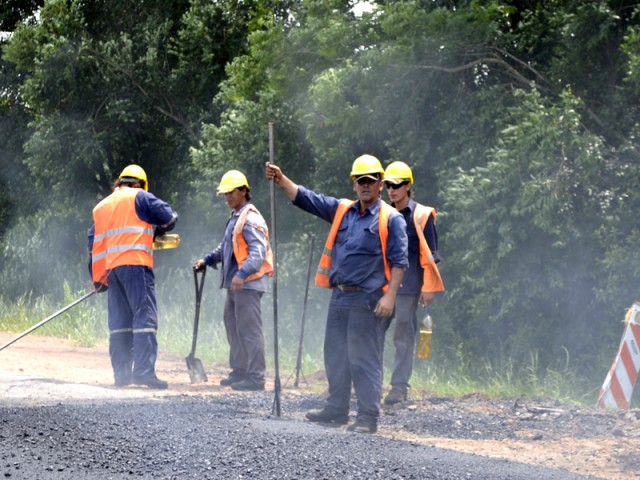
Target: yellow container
(426,331)
(168,240)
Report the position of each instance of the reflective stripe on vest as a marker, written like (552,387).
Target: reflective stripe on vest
(322,274)
(431,281)
(121,237)
(241,249)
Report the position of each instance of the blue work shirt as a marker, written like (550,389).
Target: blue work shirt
(357,254)
(414,276)
(150,209)
(256,243)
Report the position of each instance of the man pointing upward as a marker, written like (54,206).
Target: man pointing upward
(364,260)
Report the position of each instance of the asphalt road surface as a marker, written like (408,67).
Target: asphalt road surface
(227,436)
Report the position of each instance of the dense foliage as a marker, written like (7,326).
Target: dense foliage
(519,118)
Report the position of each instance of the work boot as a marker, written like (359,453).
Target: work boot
(327,416)
(150,381)
(395,396)
(231,379)
(248,385)
(364,424)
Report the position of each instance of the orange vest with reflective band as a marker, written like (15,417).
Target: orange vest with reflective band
(241,249)
(431,282)
(120,238)
(322,274)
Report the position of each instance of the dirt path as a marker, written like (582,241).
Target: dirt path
(43,370)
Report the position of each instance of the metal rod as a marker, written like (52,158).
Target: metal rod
(274,250)
(51,317)
(304,314)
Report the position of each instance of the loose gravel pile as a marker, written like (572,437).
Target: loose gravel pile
(236,436)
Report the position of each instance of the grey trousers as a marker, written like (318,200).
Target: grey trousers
(404,340)
(243,323)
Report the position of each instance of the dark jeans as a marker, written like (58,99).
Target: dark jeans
(243,323)
(353,346)
(133,321)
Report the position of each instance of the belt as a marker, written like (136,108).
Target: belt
(349,288)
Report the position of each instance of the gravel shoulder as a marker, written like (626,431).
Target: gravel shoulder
(44,378)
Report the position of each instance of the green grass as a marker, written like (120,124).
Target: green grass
(501,379)
(85,325)
(448,375)
(81,325)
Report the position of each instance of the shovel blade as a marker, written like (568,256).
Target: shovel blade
(196,370)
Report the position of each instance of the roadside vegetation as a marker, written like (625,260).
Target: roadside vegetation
(520,120)
(85,325)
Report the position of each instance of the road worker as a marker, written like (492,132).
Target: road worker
(421,280)
(363,262)
(121,252)
(247,264)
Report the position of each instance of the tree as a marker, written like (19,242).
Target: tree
(114,83)
(13,12)
(508,114)
(519,119)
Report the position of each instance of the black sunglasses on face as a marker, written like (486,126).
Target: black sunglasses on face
(395,186)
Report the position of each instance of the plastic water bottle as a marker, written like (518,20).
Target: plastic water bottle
(426,330)
(168,240)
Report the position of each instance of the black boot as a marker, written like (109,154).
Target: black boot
(232,378)
(150,381)
(364,424)
(395,396)
(327,416)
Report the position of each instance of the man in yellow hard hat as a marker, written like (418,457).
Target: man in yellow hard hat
(247,264)
(364,259)
(121,252)
(421,280)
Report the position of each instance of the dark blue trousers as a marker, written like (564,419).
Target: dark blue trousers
(353,348)
(133,322)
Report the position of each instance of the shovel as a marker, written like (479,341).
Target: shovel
(196,370)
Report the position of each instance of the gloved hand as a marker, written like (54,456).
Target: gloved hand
(158,231)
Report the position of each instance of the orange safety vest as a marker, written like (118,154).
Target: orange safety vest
(322,274)
(121,237)
(432,282)
(241,249)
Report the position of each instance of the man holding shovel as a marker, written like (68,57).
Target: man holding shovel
(247,263)
(363,262)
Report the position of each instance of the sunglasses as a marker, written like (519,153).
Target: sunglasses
(395,186)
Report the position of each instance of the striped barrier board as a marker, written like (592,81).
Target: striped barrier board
(618,386)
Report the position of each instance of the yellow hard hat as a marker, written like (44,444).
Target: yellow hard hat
(231,180)
(366,165)
(398,172)
(135,171)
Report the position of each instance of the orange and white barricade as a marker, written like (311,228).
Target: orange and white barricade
(618,386)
